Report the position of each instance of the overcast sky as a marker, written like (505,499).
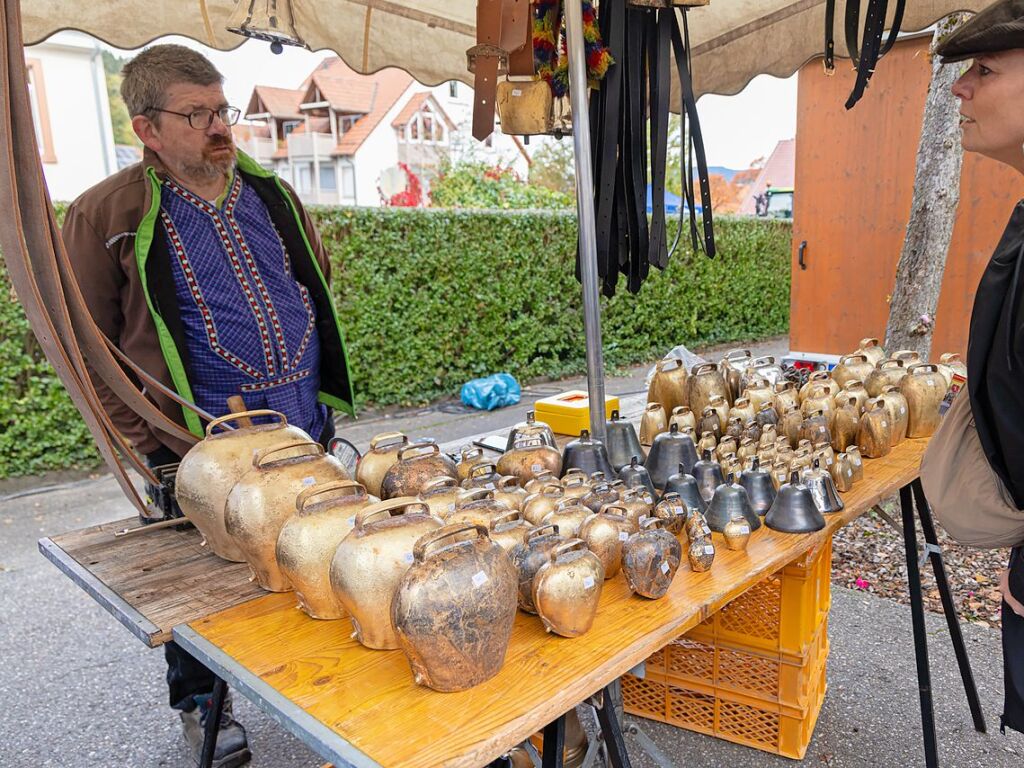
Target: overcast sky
(768,103)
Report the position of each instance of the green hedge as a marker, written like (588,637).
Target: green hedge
(431,298)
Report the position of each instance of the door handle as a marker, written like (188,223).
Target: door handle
(800,255)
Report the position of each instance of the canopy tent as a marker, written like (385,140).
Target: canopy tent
(733,40)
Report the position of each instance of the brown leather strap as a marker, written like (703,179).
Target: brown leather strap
(520,58)
(28,242)
(486,55)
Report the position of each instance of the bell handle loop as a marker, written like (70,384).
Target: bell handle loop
(574,479)
(572,501)
(819,376)
(905,354)
(737,354)
(367,515)
(308,448)
(528,441)
(505,517)
(854,356)
(654,406)
(477,494)
(615,414)
(338,488)
(482,468)
(567,546)
(681,410)
(662,365)
(919,369)
(508,483)
(426,448)
(869,342)
(950,357)
(423,548)
(853,383)
(703,368)
(891,362)
(531,417)
(653,521)
(541,530)
(438,483)
(387,438)
(282,419)
(471,452)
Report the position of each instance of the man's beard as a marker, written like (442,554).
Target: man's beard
(212,165)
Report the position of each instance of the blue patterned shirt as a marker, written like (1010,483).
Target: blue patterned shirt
(250,326)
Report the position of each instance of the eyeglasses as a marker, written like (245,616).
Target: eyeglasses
(201,119)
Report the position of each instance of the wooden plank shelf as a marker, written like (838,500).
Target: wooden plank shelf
(153,581)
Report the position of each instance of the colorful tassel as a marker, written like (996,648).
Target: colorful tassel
(550,50)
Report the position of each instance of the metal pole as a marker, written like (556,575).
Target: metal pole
(585,215)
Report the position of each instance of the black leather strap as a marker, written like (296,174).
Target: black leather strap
(865,60)
(830,36)
(681,53)
(608,99)
(658,66)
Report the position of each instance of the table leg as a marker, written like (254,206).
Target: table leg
(554,743)
(948,607)
(213,723)
(611,729)
(924,683)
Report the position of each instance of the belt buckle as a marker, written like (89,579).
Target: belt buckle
(829,71)
(486,51)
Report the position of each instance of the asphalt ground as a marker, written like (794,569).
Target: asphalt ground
(78,690)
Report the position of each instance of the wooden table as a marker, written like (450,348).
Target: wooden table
(358,707)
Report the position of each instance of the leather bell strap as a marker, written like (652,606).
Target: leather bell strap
(864,60)
(659,42)
(485,71)
(681,52)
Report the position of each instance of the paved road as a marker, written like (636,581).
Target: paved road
(79,691)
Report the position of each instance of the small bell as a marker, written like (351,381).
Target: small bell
(269,20)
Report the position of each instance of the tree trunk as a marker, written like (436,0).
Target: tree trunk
(915,295)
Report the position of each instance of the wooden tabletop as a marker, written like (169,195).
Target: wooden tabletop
(150,581)
(359,707)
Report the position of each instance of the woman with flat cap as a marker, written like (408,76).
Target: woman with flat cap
(973,470)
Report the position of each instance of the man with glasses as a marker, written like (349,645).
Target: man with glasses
(205,270)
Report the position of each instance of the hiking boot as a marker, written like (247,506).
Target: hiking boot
(232,747)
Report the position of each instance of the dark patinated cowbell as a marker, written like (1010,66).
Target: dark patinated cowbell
(823,489)
(759,487)
(623,443)
(708,475)
(635,475)
(587,454)
(794,510)
(686,486)
(670,449)
(730,501)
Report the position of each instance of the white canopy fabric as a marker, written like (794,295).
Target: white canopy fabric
(732,40)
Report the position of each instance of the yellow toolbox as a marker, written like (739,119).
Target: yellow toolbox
(569,412)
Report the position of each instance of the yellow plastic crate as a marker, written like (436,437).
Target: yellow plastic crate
(569,412)
(781,614)
(773,678)
(726,714)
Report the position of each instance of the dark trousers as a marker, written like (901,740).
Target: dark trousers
(186,677)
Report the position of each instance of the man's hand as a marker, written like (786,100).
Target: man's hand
(1004,587)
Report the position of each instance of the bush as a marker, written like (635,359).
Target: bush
(477,185)
(431,298)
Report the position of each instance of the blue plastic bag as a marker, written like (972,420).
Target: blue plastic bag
(490,392)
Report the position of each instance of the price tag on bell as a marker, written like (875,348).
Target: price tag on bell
(536,467)
(588,582)
(451,506)
(351,520)
(479,579)
(623,535)
(407,558)
(308,480)
(744,529)
(709,549)
(885,424)
(664,567)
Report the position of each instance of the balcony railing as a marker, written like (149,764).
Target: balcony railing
(310,144)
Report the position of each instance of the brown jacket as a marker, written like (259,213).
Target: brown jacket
(119,255)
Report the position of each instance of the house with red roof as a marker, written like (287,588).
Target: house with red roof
(341,138)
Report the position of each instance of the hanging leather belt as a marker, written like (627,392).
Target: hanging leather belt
(659,40)
(502,27)
(864,49)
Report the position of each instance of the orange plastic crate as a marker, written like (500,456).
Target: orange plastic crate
(780,614)
(726,714)
(773,678)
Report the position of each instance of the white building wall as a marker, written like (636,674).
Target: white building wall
(79,113)
(378,152)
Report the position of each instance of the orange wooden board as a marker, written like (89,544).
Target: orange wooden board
(369,700)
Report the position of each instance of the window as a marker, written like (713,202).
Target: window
(328,180)
(428,128)
(345,123)
(289,126)
(348,181)
(40,110)
(304,182)
(453,89)
(414,129)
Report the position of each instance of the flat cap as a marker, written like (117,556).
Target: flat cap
(999,27)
